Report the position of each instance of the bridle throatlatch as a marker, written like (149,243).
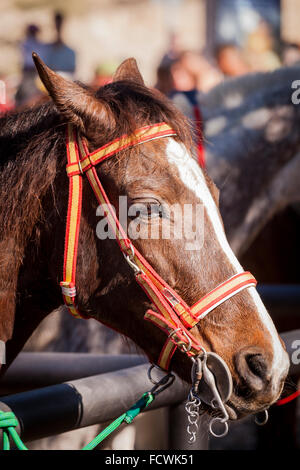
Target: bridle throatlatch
(172,315)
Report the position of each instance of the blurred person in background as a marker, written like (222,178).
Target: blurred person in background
(164,78)
(31,43)
(290,54)
(189,72)
(182,79)
(206,75)
(103,74)
(61,57)
(6,94)
(260,49)
(230,60)
(174,49)
(57,55)
(28,88)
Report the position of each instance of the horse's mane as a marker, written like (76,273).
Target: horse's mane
(32,149)
(17,129)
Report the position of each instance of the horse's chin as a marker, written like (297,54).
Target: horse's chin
(232,413)
(238,409)
(235,409)
(241,407)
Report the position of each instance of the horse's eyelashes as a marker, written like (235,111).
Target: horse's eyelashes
(145,210)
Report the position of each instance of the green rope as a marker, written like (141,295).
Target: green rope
(127,417)
(8,422)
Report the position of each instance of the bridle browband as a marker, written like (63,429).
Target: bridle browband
(173,315)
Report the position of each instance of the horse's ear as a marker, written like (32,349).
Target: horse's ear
(77,104)
(128,70)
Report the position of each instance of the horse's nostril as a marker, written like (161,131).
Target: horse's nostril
(252,367)
(257,365)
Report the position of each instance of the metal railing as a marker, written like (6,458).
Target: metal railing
(94,399)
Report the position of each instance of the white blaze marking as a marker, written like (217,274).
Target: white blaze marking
(192,176)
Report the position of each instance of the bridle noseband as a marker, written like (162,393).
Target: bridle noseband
(173,315)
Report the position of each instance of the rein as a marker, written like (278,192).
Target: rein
(172,315)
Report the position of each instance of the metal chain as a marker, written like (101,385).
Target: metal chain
(192,408)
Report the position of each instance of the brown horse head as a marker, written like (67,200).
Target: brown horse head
(158,180)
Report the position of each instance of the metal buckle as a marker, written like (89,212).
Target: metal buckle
(80,167)
(173,332)
(129,258)
(181,344)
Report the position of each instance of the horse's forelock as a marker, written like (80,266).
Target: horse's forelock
(134,105)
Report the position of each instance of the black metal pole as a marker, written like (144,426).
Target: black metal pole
(34,370)
(79,403)
(97,399)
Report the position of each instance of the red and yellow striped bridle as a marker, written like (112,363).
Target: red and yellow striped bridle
(173,315)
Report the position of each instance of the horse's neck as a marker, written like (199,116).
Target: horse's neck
(243,116)
(282,191)
(234,91)
(26,294)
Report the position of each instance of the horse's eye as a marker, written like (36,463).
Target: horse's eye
(145,210)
